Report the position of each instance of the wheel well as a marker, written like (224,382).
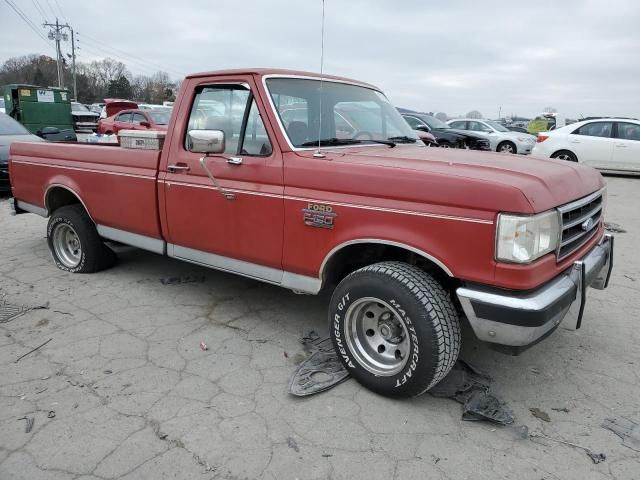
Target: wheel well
(506,141)
(59,197)
(352,257)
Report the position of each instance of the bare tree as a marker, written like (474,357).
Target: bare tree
(474,114)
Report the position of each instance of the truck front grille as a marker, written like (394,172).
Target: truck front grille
(579,222)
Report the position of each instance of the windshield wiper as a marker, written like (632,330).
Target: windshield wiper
(402,139)
(331,142)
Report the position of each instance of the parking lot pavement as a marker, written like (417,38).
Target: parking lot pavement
(135,396)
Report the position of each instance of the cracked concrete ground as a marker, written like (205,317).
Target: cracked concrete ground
(135,397)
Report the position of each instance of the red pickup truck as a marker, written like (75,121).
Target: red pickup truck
(312,182)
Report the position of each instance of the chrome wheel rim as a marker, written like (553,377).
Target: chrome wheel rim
(506,148)
(377,336)
(564,156)
(445,145)
(66,245)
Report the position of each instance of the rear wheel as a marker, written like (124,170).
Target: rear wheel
(507,147)
(394,328)
(74,242)
(565,155)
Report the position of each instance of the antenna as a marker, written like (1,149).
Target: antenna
(318,153)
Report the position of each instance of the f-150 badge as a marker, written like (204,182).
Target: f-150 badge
(318,215)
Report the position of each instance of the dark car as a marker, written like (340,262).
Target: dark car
(10,131)
(446,136)
(513,128)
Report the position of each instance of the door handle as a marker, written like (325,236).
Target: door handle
(175,168)
(621,145)
(234,160)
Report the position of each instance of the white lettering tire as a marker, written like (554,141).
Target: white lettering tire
(394,328)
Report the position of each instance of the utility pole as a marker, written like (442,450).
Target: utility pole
(56,33)
(73,63)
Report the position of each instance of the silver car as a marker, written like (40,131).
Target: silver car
(501,138)
(10,131)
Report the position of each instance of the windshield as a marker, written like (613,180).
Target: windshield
(433,122)
(350,114)
(159,117)
(497,126)
(78,107)
(8,126)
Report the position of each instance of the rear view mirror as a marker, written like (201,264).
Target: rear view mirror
(145,124)
(205,141)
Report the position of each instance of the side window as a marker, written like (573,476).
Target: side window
(595,129)
(478,127)
(459,124)
(138,117)
(413,122)
(255,141)
(629,131)
(124,117)
(220,108)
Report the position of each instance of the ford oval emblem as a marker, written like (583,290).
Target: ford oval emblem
(587,224)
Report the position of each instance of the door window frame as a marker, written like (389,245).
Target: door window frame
(245,117)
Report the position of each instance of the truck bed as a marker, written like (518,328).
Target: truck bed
(127,178)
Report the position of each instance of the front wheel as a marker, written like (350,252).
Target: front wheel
(507,147)
(394,328)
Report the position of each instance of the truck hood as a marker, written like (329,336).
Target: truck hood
(476,179)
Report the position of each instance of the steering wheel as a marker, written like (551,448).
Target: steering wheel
(362,133)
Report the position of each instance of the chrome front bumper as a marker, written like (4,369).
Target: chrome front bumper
(520,320)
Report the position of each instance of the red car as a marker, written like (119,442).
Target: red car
(409,240)
(135,120)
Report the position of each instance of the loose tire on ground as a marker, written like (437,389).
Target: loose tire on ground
(74,242)
(394,328)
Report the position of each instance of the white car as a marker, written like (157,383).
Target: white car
(501,138)
(611,144)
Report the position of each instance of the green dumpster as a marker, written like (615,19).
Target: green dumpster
(43,111)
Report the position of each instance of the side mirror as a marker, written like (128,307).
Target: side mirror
(145,124)
(48,131)
(206,141)
(423,128)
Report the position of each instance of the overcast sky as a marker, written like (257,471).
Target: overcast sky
(581,57)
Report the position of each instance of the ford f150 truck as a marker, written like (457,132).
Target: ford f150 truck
(313,182)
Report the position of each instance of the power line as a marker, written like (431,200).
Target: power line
(51,8)
(39,9)
(135,58)
(103,53)
(26,19)
(61,12)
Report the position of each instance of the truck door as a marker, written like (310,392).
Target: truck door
(225,211)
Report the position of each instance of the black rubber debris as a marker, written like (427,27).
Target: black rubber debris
(320,371)
(628,430)
(465,384)
(472,388)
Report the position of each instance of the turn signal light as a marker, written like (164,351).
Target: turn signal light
(541,138)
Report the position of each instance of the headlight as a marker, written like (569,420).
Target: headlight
(523,239)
